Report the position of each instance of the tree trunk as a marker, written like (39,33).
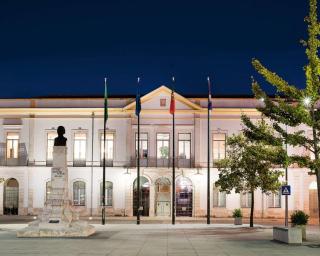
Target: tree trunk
(318,187)
(316,157)
(252,209)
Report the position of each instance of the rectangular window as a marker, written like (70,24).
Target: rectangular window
(79,148)
(219,146)
(109,146)
(108,193)
(143,145)
(219,197)
(12,145)
(245,200)
(79,193)
(163,140)
(184,142)
(50,142)
(274,200)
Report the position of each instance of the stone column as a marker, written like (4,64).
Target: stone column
(152,198)
(31,141)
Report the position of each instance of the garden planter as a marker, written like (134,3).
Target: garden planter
(238,221)
(303,231)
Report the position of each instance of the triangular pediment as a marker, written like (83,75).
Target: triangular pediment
(160,99)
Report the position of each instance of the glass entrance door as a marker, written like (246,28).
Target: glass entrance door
(163,197)
(184,197)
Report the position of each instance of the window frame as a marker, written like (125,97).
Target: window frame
(101,134)
(184,140)
(86,145)
(108,197)
(141,149)
(167,133)
(79,191)
(272,197)
(219,141)
(248,199)
(49,160)
(7,144)
(217,191)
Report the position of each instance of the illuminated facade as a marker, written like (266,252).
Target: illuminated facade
(26,140)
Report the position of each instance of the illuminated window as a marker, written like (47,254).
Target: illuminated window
(219,197)
(163,140)
(219,146)
(50,142)
(143,145)
(245,200)
(80,146)
(274,200)
(12,145)
(184,141)
(109,193)
(79,193)
(109,146)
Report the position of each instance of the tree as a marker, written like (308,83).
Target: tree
(297,109)
(249,166)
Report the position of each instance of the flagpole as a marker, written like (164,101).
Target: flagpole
(173,160)
(138,161)
(104,155)
(208,157)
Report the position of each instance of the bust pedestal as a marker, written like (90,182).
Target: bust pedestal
(57,218)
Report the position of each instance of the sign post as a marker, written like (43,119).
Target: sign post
(286,190)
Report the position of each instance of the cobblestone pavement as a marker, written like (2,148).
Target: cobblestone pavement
(160,240)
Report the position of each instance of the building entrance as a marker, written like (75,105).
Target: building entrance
(184,197)
(163,202)
(144,196)
(313,200)
(11,197)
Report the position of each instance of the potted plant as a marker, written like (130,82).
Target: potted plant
(237,215)
(300,219)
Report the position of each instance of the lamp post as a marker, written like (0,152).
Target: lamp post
(286,178)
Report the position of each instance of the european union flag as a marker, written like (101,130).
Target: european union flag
(138,100)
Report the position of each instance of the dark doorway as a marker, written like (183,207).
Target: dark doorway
(144,196)
(11,197)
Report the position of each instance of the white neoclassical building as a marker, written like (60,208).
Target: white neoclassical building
(28,127)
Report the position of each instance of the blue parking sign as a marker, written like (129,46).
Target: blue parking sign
(286,190)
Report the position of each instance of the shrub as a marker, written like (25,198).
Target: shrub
(299,218)
(237,213)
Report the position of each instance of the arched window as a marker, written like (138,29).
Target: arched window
(219,197)
(79,193)
(109,193)
(11,197)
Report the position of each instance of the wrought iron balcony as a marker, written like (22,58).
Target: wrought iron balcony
(20,160)
(162,162)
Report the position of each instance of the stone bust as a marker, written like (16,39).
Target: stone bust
(60,140)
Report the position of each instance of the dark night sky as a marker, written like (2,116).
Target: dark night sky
(66,47)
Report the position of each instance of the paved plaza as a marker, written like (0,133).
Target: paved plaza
(160,240)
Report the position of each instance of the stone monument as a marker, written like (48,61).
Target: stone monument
(58,219)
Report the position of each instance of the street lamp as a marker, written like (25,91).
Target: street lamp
(307,101)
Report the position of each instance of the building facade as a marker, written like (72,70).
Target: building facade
(28,128)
